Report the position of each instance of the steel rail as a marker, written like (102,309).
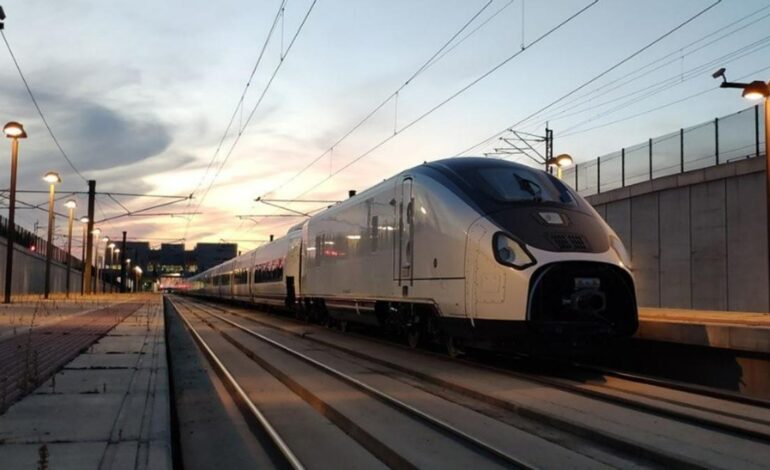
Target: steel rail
(383,397)
(562,384)
(278,441)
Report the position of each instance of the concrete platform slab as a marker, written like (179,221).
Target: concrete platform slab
(105,361)
(742,331)
(108,408)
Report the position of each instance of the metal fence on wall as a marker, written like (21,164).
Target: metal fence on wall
(722,140)
(32,242)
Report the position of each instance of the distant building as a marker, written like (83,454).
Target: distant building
(171,259)
(208,255)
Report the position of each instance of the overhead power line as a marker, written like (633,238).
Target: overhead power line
(239,104)
(254,109)
(437,55)
(37,107)
(595,78)
(572,106)
(452,97)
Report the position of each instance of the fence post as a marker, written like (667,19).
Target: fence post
(756,129)
(577,184)
(598,175)
(716,139)
(650,148)
(681,150)
(622,168)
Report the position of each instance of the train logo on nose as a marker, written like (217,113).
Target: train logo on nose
(552,218)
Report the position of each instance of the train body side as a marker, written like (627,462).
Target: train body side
(402,241)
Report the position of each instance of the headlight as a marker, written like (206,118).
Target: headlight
(620,251)
(510,252)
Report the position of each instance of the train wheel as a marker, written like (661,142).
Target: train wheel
(452,348)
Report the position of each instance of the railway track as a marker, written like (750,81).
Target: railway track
(730,420)
(701,406)
(471,447)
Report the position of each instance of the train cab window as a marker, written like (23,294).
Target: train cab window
(523,185)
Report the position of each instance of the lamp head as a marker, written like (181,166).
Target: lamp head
(756,90)
(84,220)
(564,160)
(96,231)
(720,74)
(14,130)
(71,204)
(52,177)
(106,239)
(111,246)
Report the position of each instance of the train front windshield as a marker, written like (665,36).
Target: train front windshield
(508,184)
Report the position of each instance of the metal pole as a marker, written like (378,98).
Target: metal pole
(11,222)
(577,182)
(598,175)
(89,261)
(49,244)
(681,150)
(96,266)
(69,249)
(756,127)
(716,139)
(767,180)
(650,147)
(123,264)
(623,168)
(83,261)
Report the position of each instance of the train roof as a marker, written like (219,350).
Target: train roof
(463,164)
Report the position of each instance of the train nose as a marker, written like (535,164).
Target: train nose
(590,301)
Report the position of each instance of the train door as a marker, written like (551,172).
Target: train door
(406,233)
(293,269)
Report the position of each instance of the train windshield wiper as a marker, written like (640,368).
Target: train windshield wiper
(530,187)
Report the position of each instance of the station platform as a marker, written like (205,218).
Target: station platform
(108,407)
(739,331)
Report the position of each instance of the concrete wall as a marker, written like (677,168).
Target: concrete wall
(29,273)
(697,240)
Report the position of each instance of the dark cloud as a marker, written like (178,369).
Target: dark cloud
(106,138)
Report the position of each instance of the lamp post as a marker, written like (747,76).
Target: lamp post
(14,131)
(138,274)
(560,161)
(100,274)
(128,274)
(52,178)
(97,232)
(111,246)
(71,205)
(84,221)
(114,269)
(756,90)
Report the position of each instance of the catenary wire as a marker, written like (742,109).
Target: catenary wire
(451,97)
(253,110)
(595,78)
(435,57)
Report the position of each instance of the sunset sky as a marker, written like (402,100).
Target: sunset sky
(139,94)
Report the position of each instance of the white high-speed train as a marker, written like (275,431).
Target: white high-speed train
(467,251)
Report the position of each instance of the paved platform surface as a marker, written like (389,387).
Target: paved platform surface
(743,331)
(33,311)
(106,409)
